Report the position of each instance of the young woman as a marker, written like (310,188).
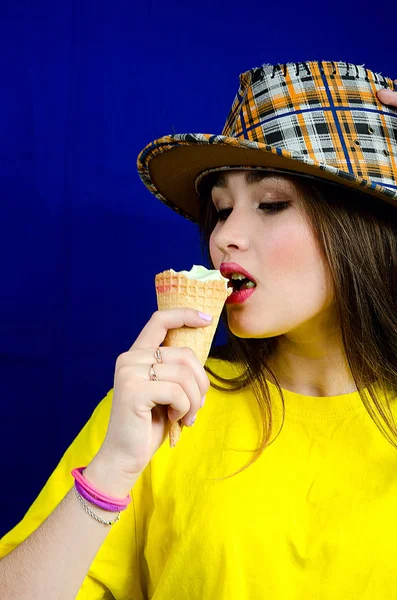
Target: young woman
(286,486)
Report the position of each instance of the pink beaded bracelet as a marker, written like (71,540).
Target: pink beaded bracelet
(93,495)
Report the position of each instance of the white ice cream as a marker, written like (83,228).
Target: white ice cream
(203,274)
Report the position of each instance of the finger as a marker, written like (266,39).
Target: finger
(154,332)
(182,376)
(171,355)
(387,97)
(172,373)
(163,393)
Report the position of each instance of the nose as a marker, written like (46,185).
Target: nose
(232,233)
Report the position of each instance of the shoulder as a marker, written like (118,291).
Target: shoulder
(222,368)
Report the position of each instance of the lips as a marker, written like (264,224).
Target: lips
(241,282)
(240,297)
(228,268)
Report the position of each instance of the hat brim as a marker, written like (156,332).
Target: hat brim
(170,165)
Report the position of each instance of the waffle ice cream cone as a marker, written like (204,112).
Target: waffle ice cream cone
(201,289)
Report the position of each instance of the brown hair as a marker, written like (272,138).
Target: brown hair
(357,235)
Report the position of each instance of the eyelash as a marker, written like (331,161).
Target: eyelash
(269,207)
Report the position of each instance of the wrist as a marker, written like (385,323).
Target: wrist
(103,473)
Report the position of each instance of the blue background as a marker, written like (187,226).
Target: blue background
(84,86)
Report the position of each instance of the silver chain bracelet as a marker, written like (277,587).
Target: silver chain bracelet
(92,514)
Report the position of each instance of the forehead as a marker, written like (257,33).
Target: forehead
(226,179)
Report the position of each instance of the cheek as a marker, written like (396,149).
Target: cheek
(293,256)
(215,254)
(287,251)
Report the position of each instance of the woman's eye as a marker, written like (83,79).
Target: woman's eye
(267,207)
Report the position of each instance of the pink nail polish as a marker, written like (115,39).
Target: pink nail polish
(202,402)
(193,420)
(205,317)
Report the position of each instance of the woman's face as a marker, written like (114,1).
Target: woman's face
(265,231)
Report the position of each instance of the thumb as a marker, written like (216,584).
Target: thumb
(387,97)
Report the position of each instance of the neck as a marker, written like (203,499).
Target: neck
(312,362)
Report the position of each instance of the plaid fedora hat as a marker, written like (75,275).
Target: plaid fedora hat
(316,119)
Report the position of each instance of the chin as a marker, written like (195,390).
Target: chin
(251,332)
(246,329)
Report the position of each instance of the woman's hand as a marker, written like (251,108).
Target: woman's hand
(141,408)
(388,96)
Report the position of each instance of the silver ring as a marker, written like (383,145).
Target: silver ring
(152,374)
(158,356)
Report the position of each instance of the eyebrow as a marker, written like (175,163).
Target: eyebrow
(251,177)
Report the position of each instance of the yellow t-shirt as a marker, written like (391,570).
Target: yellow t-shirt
(315,517)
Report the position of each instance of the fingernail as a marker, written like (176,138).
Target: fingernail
(192,421)
(388,93)
(202,402)
(205,317)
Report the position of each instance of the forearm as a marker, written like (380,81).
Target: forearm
(54,560)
